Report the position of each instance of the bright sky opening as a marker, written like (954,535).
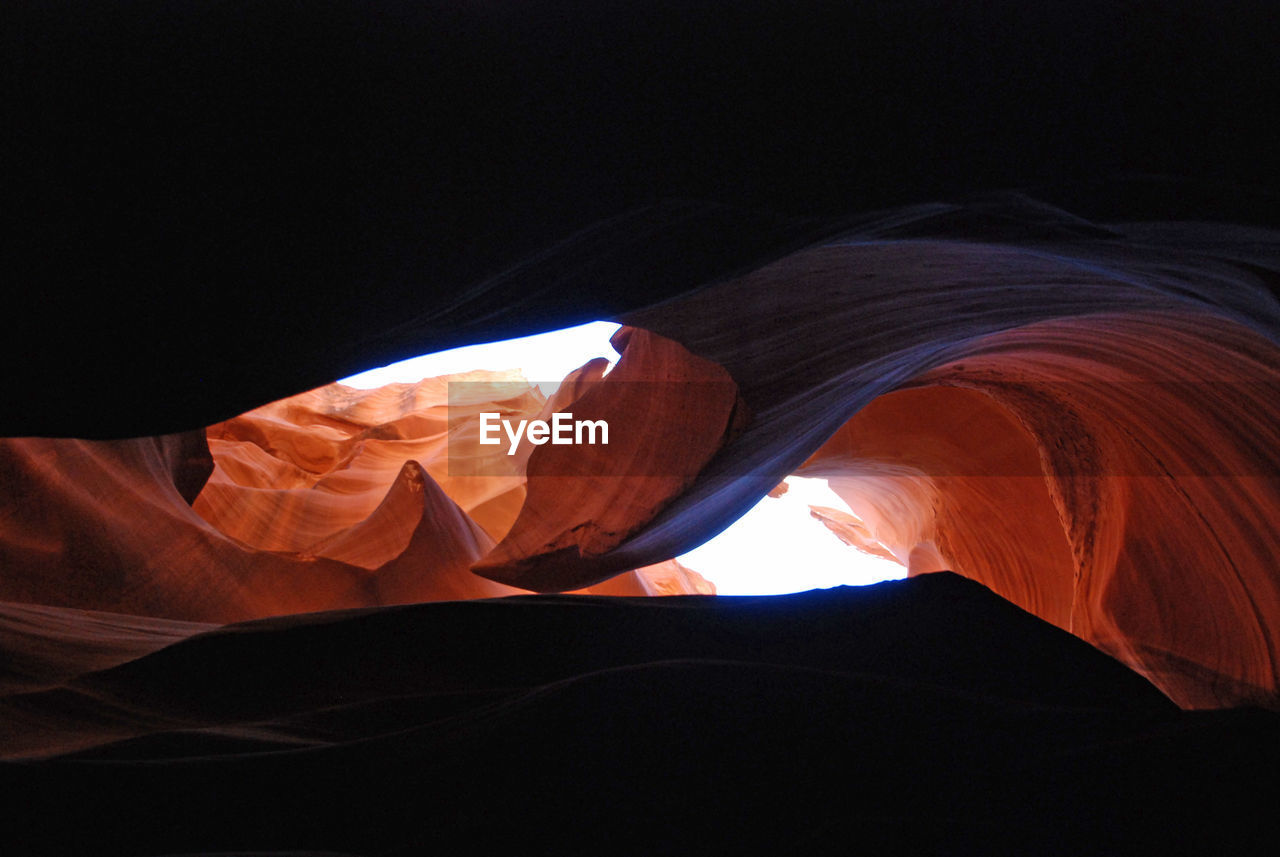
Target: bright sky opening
(544,358)
(779,547)
(776,547)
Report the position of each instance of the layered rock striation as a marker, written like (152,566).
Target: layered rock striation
(1081,416)
(333,498)
(1066,393)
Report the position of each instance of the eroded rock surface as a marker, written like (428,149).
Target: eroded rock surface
(1082,416)
(333,498)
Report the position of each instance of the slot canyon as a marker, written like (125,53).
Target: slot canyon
(1007,282)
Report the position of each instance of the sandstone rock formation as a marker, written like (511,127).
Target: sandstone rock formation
(668,413)
(1065,393)
(1084,422)
(333,498)
(1082,468)
(334,732)
(1082,419)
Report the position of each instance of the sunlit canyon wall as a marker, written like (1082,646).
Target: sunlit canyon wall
(1083,417)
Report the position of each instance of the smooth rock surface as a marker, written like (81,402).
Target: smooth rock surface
(920,715)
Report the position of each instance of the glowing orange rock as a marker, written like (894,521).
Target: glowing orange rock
(333,498)
(303,469)
(103,525)
(1099,477)
(852,531)
(663,578)
(1087,426)
(669,412)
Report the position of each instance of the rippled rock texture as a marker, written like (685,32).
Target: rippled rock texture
(1065,394)
(1084,420)
(333,498)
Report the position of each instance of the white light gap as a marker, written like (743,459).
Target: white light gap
(776,547)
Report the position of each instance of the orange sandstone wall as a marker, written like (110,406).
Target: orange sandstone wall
(1087,424)
(1116,475)
(332,498)
(1082,416)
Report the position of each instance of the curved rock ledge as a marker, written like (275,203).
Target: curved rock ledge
(1082,416)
